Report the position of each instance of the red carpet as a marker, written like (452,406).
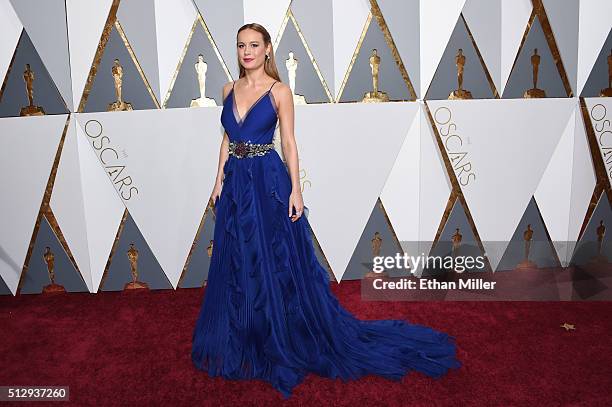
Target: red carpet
(134,349)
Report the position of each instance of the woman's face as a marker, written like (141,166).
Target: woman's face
(251,48)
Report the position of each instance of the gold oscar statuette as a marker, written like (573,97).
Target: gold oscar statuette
(607,92)
(526,263)
(535,92)
(376,96)
(118,105)
(291,64)
(201,67)
(376,245)
(600,258)
(30,109)
(209,248)
(456,240)
(460,93)
(49,258)
(132,254)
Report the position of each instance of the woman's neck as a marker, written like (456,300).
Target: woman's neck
(255,79)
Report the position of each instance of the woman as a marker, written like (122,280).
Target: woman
(268,312)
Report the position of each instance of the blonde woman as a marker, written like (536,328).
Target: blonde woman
(268,312)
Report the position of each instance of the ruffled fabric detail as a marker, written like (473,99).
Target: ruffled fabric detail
(268,311)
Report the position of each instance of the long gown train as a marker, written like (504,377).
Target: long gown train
(268,312)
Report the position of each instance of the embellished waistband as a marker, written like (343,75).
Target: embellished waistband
(247,150)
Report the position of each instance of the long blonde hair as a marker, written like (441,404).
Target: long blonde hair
(270,64)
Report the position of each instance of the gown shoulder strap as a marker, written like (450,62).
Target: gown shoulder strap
(271,86)
(231,91)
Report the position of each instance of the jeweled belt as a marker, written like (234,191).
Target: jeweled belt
(246,149)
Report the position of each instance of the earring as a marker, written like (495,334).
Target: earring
(267,56)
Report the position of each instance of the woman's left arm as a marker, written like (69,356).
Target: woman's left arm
(287,118)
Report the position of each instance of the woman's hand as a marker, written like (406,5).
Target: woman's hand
(216,193)
(296,201)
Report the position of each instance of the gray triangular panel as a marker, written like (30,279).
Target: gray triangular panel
(102,91)
(598,78)
(37,275)
(521,77)
(362,260)
(219,20)
(149,270)
(45,92)
(468,247)
(45,22)
(307,82)
(474,76)
(137,18)
(199,264)
(186,86)
(390,79)
(541,251)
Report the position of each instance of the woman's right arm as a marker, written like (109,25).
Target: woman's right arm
(223,155)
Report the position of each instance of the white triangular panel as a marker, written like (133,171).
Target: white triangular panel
(269,13)
(438,20)
(600,114)
(341,199)
(86,206)
(67,203)
(500,157)
(173,24)
(514,19)
(565,189)
(170,168)
(350,17)
(583,181)
(593,28)
(563,18)
(483,18)
(400,195)
(417,189)
(86,21)
(10,27)
(554,191)
(27,149)
(103,208)
(45,23)
(435,187)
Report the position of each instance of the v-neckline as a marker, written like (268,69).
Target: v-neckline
(240,120)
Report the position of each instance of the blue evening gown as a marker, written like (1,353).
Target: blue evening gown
(268,312)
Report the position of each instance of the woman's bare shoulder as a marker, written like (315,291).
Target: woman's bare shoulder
(282,91)
(226,89)
(281,87)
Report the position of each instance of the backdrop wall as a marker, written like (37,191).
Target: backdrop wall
(87,183)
